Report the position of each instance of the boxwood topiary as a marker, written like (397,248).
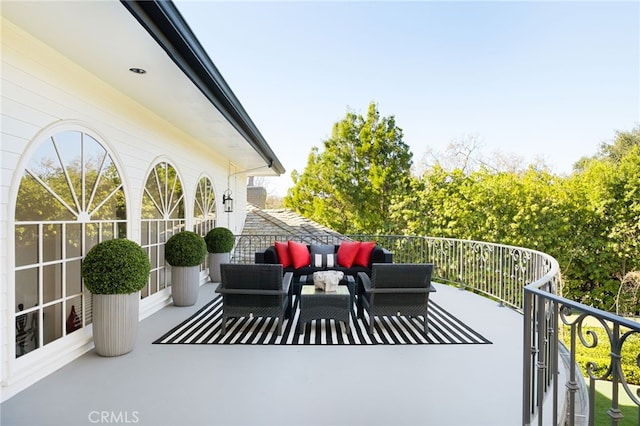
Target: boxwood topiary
(601,353)
(185,248)
(220,240)
(118,266)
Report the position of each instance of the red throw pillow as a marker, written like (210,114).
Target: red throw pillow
(364,254)
(282,250)
(347,253)
(299,254)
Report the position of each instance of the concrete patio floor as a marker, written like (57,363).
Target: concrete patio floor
(470,385)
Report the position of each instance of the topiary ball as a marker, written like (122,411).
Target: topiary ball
(220,240)
(185,248)
(118,266)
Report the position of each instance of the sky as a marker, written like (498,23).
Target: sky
(540,80)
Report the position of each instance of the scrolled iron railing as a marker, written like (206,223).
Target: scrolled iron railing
(547,317)
(527,281)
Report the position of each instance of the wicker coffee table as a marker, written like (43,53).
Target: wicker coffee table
(307,280)
(318,304)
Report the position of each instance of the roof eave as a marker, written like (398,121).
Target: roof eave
(166,25)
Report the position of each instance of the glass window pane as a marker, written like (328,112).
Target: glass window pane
(162,278)
(153,284)
(144,233)
(74,240)
(145,291)
(51,282)
(94,156)
(169,231)
(122,230)
(149,209)
(52,323)
(176,226)
(69,146)
(154,232)
(26,333)
(74,277)
(165,231)
(178,212)
(35,202)
(153,201)
(46,165)
(107,231)
(26,245)
(52,242)
(73,315)
(91,235)
(26,289)
(153,257)
(113,207)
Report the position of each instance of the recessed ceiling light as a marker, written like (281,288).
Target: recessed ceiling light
(138,70)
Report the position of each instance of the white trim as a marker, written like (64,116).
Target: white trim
(46,93)
(153,303)
(36,365)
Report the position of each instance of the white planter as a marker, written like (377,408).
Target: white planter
(185,284)
(115,323)
(215,260)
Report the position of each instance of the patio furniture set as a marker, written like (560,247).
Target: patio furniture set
(277,285)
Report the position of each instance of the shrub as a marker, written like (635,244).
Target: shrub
(117,266)
(185,248)
(220,240)
(601,354)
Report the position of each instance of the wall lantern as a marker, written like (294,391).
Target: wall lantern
(227,201)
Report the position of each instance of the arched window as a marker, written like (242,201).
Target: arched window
(204,210)
(162,216)
(70,198)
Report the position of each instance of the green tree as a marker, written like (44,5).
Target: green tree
(527,208)
(621,146)
(352,184)
(623,143)
(609,243)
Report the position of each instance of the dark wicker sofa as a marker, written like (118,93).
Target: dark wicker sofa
(378,255)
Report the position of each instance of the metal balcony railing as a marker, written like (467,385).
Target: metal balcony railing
(525,280)
(497,271)
(547,317)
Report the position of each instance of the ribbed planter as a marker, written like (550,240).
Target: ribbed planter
(115,323)
(215,259)
(185,285)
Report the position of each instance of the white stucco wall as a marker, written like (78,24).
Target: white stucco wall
(42,93)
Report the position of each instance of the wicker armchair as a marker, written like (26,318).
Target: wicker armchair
(254,290)
(395,289)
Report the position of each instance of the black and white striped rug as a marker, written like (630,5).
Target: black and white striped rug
(204,328)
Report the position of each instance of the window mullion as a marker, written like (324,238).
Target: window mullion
(40,312)
(161,191)
(95,185)
(107,198)
(67,177)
